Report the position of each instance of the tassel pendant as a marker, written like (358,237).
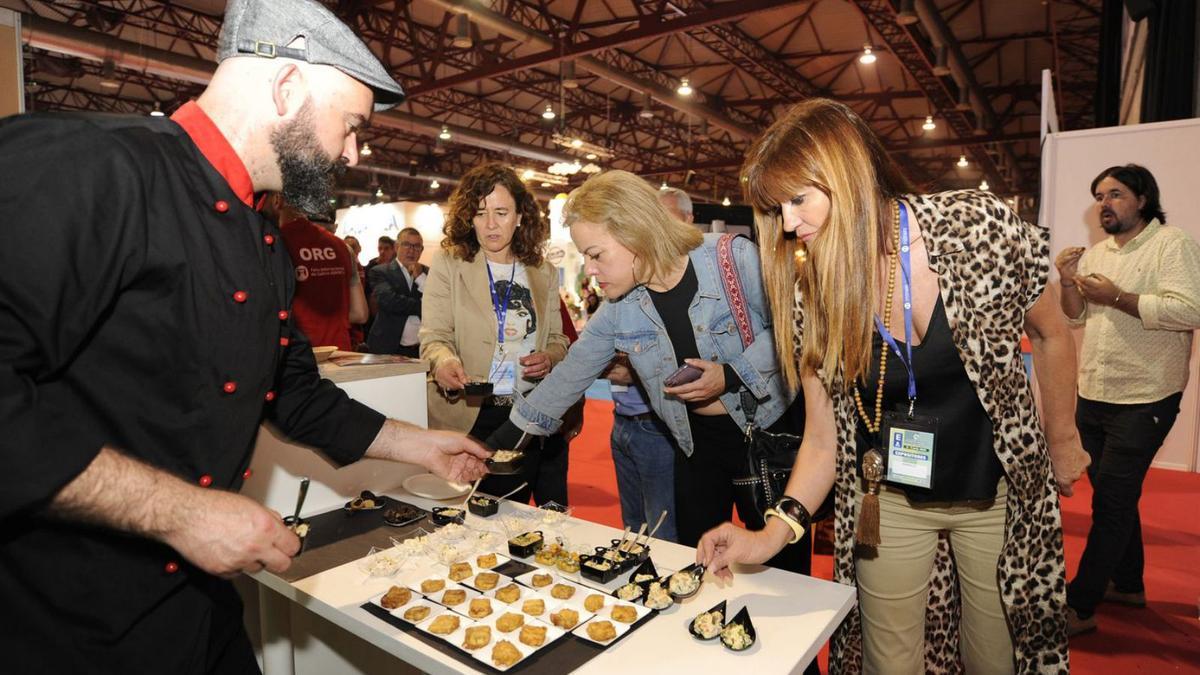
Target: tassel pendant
(867,531)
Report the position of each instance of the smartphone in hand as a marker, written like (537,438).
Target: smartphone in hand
(686,373)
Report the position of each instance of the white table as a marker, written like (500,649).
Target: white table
(793,614)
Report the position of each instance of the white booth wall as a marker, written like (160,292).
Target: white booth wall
(1070,160)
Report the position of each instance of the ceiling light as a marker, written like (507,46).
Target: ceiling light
(929,125)
(567,70)
(366,150)
(379,193)
(647,110)
(684,89)
(433,184)
(527,174)
(907,16)
(445,135)
(664,186)
(576,142)
(108,72)
(590,155)
(545,184)
(462,32)
(157,112)
(591,168)
(983,185)
(548,113)
(962,161)
(867,57)
(725,202)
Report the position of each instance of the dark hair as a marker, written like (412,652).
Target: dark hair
(387,240)
(460,240)
(409,230)
(1138,179)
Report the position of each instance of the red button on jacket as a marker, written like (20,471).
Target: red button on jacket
(240,296)
(283,342)
(246,474)
(171,567)
(270,396)
(229,387)
(269,239)
(205,480)
(283,315)
(221,206)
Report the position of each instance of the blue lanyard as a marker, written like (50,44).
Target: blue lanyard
(501,310)
(906,288)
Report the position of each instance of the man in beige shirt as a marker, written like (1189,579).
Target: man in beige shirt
(1138,295)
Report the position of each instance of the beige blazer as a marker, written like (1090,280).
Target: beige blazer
(459,321)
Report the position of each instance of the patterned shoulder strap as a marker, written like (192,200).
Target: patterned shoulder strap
(733,288)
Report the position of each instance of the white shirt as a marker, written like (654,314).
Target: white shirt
(520,321)
(1129,360)
(412,325)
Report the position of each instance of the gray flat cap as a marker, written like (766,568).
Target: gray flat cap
(265,28)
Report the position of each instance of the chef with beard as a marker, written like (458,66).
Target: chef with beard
(146,331)
(1137,293)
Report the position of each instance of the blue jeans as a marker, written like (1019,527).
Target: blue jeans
(644,456)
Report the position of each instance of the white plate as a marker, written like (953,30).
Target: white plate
(527,579)
(430,486)
(620,628)
(584,615)
(484,654)
(606,613)
(525,593)
(552,632)
(418,602)
(455,638)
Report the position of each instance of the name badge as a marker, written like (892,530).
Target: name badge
(503,378)
(909,444)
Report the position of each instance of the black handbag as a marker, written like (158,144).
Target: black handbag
(770,455)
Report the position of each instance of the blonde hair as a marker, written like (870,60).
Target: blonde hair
(628,208)
(824,144)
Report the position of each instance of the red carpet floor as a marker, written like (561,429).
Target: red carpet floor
(1162,638)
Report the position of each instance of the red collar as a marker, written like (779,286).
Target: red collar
(216,149)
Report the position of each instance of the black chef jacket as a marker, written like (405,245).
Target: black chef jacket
(144,306)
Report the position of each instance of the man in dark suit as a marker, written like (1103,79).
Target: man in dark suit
(396,288)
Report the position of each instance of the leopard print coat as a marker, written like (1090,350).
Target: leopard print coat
(991,268)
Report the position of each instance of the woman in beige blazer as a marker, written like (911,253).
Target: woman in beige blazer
(468,297)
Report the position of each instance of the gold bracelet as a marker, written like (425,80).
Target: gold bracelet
(797,529)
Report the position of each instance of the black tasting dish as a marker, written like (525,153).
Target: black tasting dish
(697,571)
(597,569)
(299,527)
(638,552)
(365,501)
(646,568)
(719,607)
(526,549)
(402,514)
(506,468)
(444,515)
(483,506)
(742,618)
(478,389)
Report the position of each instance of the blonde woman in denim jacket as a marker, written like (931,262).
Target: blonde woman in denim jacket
(667,306)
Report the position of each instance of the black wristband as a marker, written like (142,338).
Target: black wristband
(793,509)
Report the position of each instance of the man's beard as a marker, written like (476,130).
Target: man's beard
(1115,226)
(308,173)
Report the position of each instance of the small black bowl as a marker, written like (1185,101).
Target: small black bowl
(444,515)
(638,552)
(719,607)
(478,389)
(697,571)
(742,618)
(650,586)
(299,527)
(646,568)
(483,506)
(593,567)
(524,550)
(508,467)
(641,591)
(621,561)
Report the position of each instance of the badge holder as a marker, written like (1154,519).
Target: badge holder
(909,443)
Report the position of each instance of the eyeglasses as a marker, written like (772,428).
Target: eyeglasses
(409,245)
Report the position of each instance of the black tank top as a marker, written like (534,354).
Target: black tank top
(965,466)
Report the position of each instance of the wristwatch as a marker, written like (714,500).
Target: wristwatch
(793,514)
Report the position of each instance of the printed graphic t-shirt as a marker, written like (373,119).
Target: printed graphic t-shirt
(520,321)
(323,268)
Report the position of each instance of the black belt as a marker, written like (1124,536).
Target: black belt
(641,417)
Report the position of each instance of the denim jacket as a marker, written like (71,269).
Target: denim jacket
(632,325)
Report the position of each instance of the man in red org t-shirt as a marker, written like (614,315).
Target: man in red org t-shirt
(326,282)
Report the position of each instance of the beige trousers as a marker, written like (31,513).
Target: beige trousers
(893,587)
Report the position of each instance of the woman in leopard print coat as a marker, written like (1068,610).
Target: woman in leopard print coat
(819,170)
